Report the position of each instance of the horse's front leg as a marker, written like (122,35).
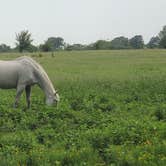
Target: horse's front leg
(28,95)
(20,89)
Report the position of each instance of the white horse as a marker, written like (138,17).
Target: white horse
(21,74)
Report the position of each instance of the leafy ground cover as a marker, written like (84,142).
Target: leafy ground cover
(112,112)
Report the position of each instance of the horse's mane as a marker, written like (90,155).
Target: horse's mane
(38,67)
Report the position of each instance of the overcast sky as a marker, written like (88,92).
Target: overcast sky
(81,21)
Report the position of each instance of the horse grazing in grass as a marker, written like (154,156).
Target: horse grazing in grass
(21,74)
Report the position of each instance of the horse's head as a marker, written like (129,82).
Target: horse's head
(53,99)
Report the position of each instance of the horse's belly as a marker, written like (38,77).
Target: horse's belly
(7,85)
(8,80)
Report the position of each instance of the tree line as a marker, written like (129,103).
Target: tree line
(24,43)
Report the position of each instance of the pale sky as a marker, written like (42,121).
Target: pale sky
(81,21)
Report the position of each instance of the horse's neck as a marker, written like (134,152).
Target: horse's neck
(45,84)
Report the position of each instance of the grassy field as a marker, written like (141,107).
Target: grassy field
(112,112)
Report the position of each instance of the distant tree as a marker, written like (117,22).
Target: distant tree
(23,40)
(162,36)
(55,43)
(137,42)
(90,46)
(4,48)
(154,42)
(45,47)
(120,43)
(32,48)
(102,45)
(163,42)
(76,47)
(162,33)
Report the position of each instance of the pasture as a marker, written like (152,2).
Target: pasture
(112,111)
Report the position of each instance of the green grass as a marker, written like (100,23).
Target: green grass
(112,112)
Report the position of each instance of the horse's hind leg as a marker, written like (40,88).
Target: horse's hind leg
(28,94)
(20,89)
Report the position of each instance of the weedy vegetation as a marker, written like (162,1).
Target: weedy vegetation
(112,112)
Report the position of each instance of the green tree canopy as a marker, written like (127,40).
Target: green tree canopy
(102,44)
(76,47)
(162,33)
(163,42)
(55,43)
(162,36)
(154,42)
(23,40)
(137,42)
(45,47)
(4,48)
(120,43)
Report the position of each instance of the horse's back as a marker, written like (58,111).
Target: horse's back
(28,74)
(16,72)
